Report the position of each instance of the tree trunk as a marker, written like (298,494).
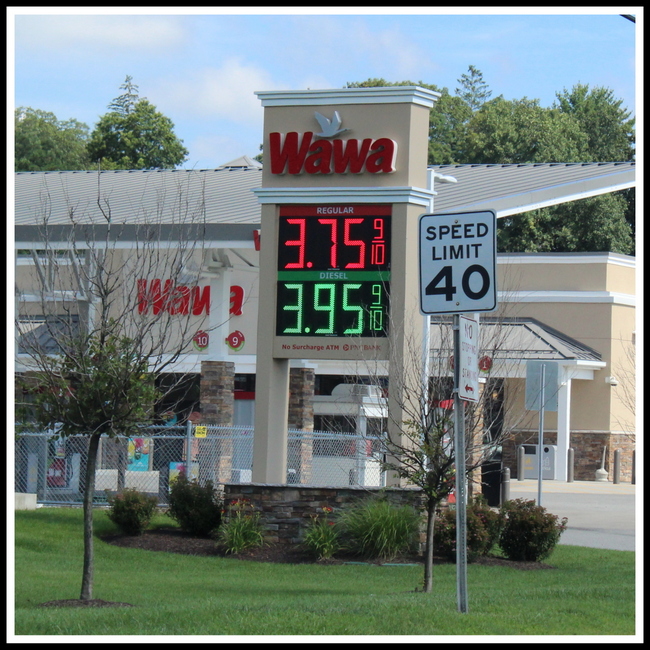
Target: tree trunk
(89,493)
(427,587)
(122,447)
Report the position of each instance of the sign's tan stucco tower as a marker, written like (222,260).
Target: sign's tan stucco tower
(344,182)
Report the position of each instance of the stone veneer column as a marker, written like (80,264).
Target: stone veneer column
(217,392)
(217,407)
(301,399)
(301,417)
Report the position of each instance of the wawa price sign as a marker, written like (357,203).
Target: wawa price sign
(458,262)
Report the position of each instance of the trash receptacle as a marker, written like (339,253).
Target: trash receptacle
(491,482)
(531,461)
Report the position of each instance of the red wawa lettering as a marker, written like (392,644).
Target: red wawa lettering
(294,154)
(160,296)
(236,299)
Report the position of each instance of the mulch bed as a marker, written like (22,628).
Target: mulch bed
(173,540)
(76,602)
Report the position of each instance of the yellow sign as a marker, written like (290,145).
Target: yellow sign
(200,432)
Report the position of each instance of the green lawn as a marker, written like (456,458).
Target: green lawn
(589,592)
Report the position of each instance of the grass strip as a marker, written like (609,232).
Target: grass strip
(588,592)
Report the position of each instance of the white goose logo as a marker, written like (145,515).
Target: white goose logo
(330,128)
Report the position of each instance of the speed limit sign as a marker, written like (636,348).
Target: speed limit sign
(458,262)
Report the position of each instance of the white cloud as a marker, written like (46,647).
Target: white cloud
(224,92)
(209,151)
(143,33)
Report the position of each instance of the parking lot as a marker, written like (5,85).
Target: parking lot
(600,514)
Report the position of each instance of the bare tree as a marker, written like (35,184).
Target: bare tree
(421,449)
(107,308)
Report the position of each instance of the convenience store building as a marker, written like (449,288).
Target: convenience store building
(575,309)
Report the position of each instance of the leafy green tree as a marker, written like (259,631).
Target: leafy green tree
(594,224)
(473,90)
(607,126)
(99,386)
(448,129)
(134,135)
(43,143)
(521,131)
(582,126)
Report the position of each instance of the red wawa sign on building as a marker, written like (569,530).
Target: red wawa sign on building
(159,296)
(165,296)
(297,153)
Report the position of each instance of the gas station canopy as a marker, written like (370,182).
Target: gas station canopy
(512,189)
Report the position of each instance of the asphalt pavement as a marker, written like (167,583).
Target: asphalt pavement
(600,514)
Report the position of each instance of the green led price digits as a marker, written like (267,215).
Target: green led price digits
(332,308)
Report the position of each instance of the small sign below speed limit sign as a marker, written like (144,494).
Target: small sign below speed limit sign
(458,262)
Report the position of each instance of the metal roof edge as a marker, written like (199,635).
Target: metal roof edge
(603,257)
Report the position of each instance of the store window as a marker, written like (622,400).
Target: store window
(46,334)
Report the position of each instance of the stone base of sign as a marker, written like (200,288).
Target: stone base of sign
(287,509)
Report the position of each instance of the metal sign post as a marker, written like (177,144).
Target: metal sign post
(541,393)
(457,275)
(461,496)
(540,439)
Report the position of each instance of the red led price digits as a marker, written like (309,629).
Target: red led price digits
(300,264)
(333,237)
(361,264)
(378,244)
(353,243)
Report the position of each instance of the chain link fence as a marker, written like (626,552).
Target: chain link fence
(54,469)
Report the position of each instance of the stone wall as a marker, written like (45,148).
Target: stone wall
(588,452)
(287,509)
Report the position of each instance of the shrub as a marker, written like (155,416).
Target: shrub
(242,529)
(444,535)
(322,538)
(530,533)
(196,508)
(131,510)
(493,521)
(374,528)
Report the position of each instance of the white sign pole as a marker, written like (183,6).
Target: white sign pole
(541,393)
(540,441)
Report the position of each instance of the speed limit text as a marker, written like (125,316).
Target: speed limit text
(445,233)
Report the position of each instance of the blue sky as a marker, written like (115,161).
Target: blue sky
(202,70)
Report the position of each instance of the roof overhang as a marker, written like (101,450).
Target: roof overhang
(511,342)
(513,189)
(211,235)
